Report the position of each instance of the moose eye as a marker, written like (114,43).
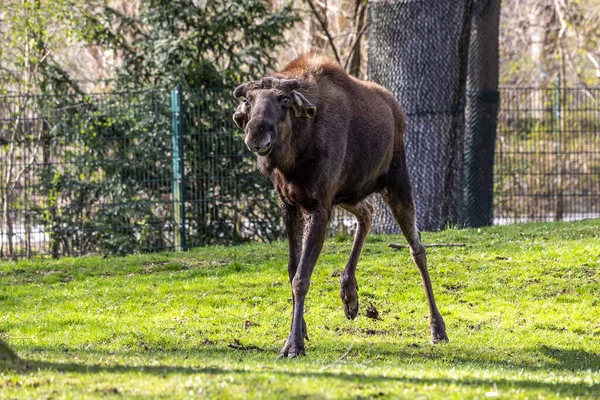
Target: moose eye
(285,101)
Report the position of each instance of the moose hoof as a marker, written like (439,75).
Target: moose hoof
(438,336)
(350,308)
(294,354)
(349,296)
(292,351)
(438,330)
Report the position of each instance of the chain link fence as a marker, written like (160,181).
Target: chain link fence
(418,50)
(157,170)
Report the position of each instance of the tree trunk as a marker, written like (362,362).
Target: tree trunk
(8,223)
(539,17)
(9,190)
(360,7)
(418,49)
(481,115)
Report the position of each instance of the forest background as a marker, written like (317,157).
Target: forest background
(47,44)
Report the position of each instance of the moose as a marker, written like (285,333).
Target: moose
(325,139)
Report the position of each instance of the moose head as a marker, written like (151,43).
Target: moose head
(267,110)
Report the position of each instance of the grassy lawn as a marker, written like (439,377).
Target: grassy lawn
(521,304)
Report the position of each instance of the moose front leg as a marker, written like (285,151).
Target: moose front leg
(312,243)
(294,226)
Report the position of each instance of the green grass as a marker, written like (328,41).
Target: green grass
(521,305)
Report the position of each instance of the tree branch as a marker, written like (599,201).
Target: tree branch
(353,48)
(325,30)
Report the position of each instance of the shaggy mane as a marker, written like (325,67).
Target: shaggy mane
(309,67)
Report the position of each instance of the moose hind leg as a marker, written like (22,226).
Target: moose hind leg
(363,212)
(398,196)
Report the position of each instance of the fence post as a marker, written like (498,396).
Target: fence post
(178,172)
(558,127)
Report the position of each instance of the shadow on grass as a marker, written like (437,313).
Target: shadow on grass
(556,359)
(541,357)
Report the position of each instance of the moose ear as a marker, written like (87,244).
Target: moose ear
(240,91)
(302,107)
(242,115)
(287,85)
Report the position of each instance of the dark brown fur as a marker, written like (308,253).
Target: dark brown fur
(351,148)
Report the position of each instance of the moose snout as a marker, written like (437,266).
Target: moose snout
(260,140)
(261,147)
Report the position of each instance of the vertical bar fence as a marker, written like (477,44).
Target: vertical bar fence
(547,165)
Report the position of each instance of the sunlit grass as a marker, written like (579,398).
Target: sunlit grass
(521,305)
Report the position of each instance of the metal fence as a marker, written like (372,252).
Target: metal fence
(89,173)
(152,170)
(123,172)
(547,161)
